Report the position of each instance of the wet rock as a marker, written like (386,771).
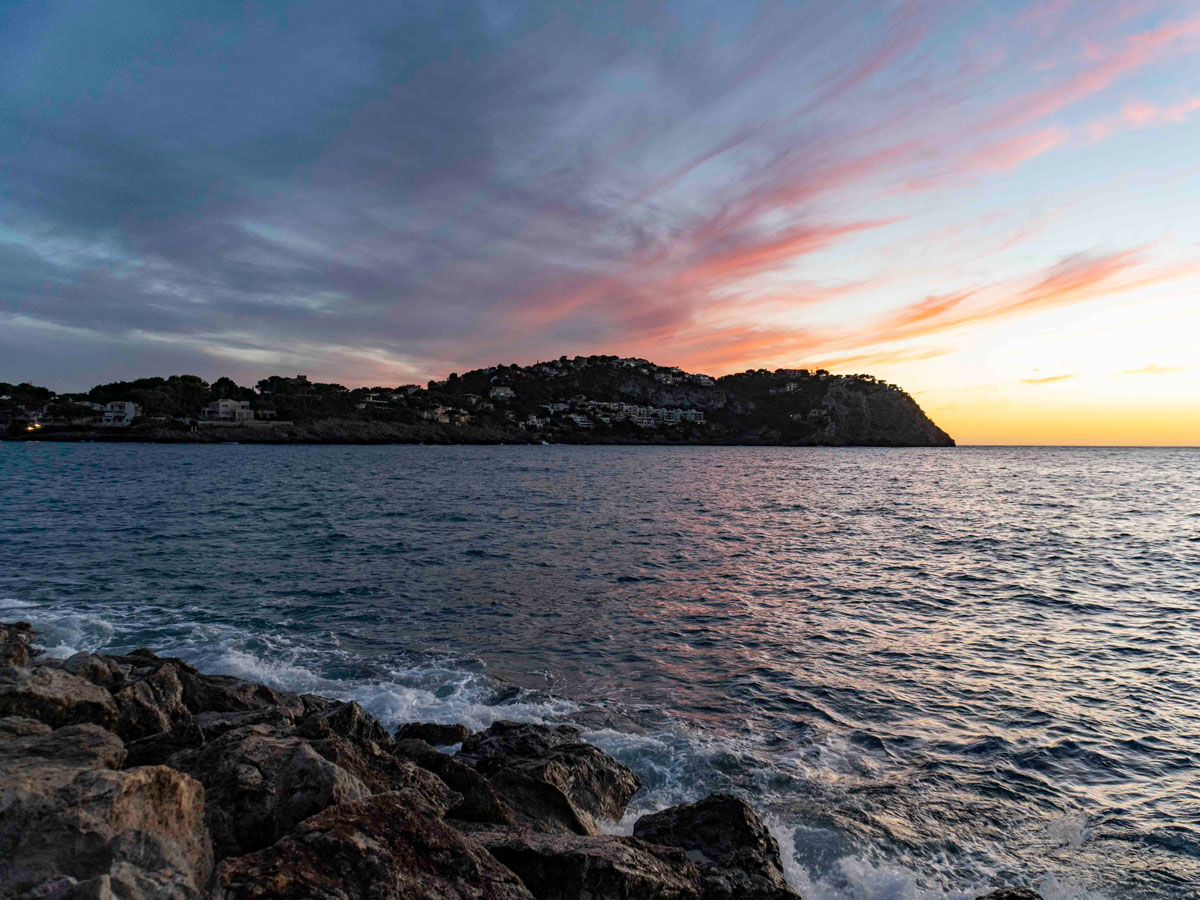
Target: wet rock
(558,867)
(595,784)
(16,644)
(73,825)
(1010,893)
(259,783)
(347,720)
(480,802)
(517,739)
(540,806)
(224,693)
(433,733)
(151,703)
(721,834)
(194,732)
(389,847)
(55,697)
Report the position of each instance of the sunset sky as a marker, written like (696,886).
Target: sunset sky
(994,205)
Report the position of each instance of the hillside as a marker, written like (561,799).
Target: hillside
(594,399)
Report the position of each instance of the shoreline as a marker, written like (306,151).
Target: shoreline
(189,785)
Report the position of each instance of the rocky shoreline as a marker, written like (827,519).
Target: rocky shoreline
(135,776)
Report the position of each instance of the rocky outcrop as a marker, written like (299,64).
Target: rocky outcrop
(1011,893)
(74,824)
(736,855)
(136,777)
(549,777)
(389,846)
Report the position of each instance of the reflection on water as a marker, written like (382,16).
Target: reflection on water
(934,668)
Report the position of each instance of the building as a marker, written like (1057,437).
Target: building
(227,411)
(120,414)
(500,392)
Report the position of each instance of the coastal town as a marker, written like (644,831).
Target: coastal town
(581,399)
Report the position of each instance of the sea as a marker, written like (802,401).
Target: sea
(932,671)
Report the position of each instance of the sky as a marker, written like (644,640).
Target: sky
(995,205)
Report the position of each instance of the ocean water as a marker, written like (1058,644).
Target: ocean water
(933,671)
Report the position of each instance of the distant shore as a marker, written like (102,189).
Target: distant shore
(348,431)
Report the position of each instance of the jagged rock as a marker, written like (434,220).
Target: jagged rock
(480,802)
(597,786)
(540,806)
(55,697)
(348,720)
(16,644)
(390,847)
(382,772)
(559,867)
(736,854)
(259,783)
(1010,893)
(433,733)
(99,670)
(151,703)
(194,732)
(517,739)
(224,693)
(72,825)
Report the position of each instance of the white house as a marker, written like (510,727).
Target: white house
(227,411)
(120,413)
(500,392)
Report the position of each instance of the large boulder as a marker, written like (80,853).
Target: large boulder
(514,755)
(55,697)
(390,847)
(735,853)
(561,867)
(224,693)
(433,733)
(16,644)
(382,772)
(480,802)
(103,671)
(72,823)
(260,783)
(151,702)
(346,720)
(517,739)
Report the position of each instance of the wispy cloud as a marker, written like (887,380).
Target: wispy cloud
(1049,379)
(1153,369)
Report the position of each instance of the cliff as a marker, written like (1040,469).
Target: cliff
(134,776)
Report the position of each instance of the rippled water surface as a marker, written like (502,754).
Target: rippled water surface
(933,670)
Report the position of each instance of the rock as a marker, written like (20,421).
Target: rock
(433,733)
(480,802)
(1010,893)
(390,847)
(99,670)
(195,731)
(151,703)
(55,697)
(259,783)
(596,785)
(223,693)
(16,644)
(733,849)
(540,806)
(348,720)
(558,867)
(517,739)
(382,772)
(73,825)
